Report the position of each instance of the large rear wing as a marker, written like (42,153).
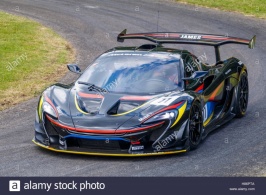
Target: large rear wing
(188,38)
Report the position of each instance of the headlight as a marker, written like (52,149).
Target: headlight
(172,113)
(46,105)
(49,109)
(167,115)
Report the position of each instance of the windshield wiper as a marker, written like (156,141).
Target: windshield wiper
(92,87)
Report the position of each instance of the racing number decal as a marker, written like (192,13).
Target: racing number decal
(163,101)
(205,112)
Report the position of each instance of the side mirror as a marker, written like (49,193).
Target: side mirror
(74,68)
(196,75)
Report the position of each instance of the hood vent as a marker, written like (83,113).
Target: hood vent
(124,106)
(90,106)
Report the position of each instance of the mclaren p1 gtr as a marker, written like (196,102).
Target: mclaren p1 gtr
(144,100)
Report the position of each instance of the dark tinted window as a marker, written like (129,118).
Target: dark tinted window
(191,64)
(135,72)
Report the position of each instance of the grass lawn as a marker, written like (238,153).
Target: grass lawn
(31,58)
(248,7)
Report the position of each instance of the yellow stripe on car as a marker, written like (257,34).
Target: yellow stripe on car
(77,106)
(181,111)
(124,113)
(40,108)
(208,120)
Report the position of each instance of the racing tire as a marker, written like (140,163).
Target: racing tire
(242,95)
(195,126)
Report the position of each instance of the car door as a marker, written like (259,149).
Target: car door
(213,95)
(191,64)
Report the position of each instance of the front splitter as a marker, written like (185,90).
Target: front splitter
(109,154)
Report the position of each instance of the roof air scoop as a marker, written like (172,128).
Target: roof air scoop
(146,47)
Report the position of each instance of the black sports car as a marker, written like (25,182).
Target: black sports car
(145,100)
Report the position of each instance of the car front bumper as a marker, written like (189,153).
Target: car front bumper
(82,151)
(142,143)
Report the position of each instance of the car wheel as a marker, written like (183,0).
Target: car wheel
(242,95)
(195,125)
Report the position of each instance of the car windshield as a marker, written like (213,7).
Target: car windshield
(135,72)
